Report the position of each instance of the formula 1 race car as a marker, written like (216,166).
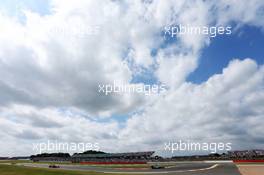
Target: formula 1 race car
(54,166)
(157,167)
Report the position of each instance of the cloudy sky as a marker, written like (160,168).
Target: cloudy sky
(54,54)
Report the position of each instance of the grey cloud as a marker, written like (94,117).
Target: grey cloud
(38,121)
(28,135)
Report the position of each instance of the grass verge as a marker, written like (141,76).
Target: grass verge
(20,170)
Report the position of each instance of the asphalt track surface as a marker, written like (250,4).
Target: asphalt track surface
(177,169)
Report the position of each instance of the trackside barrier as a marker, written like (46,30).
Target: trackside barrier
(248,161)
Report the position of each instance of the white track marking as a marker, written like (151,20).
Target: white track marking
(163,172)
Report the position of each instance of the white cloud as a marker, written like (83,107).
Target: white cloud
(216,110)
(46,64)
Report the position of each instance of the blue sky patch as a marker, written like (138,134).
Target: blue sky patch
(246,42)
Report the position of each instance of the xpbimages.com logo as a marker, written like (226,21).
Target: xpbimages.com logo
(108,89)
(212,31)
(211,147)
(56,146)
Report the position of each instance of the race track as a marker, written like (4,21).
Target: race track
(190,168)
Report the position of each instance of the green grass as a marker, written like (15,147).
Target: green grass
(15,161)
(20,170)
(29,161)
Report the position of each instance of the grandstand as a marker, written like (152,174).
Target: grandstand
(132,157)
(246,154)
(53,157)
(4,158)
